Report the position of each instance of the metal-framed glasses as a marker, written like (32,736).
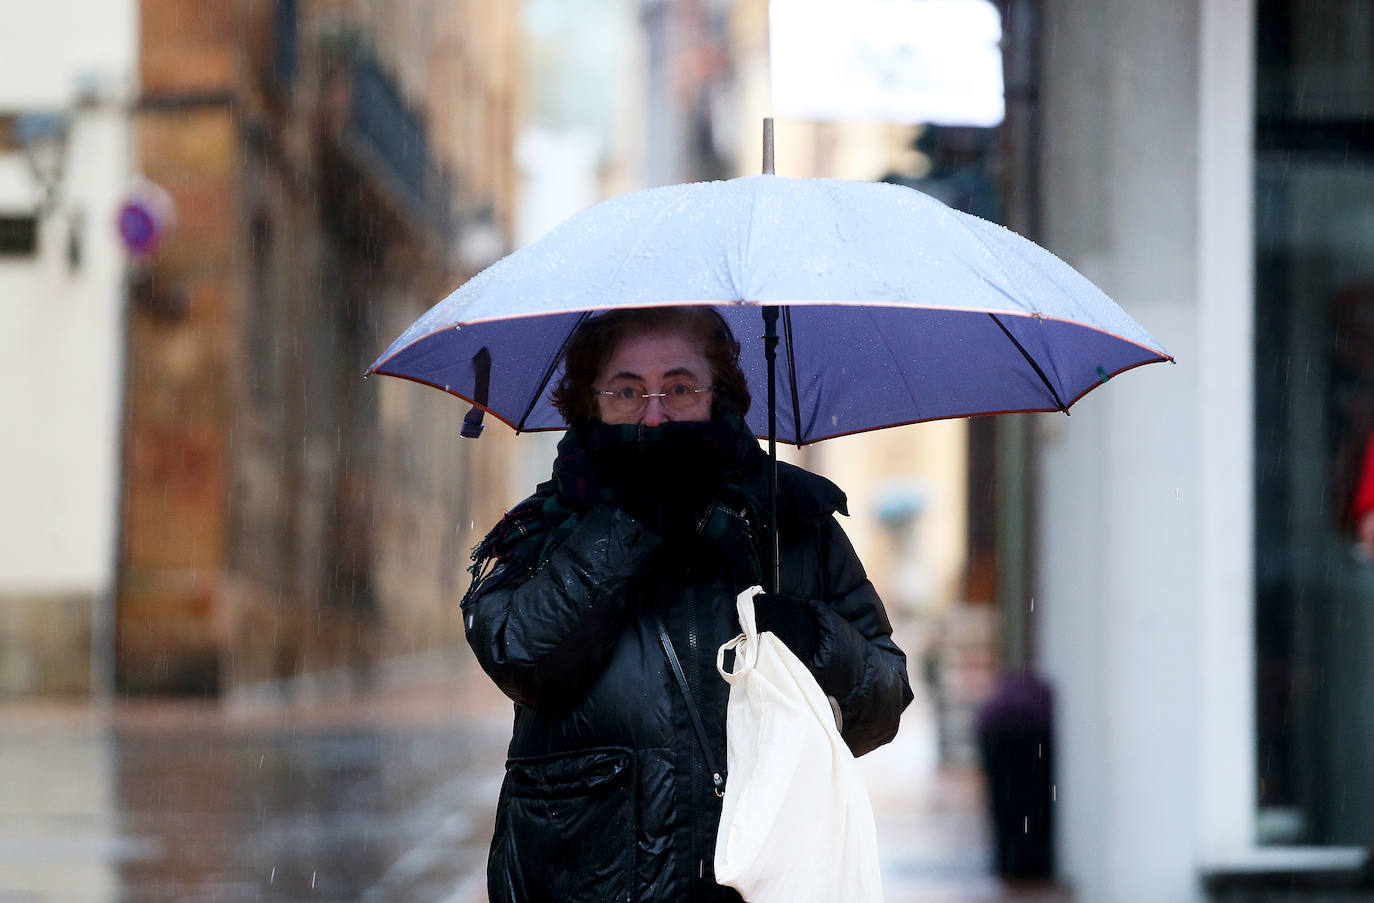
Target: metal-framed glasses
(679,398)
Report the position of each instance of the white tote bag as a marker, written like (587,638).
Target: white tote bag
(796,824)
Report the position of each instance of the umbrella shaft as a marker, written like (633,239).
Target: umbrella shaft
(770,354)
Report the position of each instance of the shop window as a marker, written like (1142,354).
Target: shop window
(1314,386)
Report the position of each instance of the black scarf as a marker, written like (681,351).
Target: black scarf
(593,459)
(711,462)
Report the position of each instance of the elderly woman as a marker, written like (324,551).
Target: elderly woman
(652,517)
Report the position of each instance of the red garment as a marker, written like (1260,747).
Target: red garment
(1364,490)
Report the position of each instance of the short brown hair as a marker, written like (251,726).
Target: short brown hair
(597,338)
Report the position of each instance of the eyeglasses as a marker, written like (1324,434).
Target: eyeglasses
(678,398)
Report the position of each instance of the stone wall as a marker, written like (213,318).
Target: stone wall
(182,311)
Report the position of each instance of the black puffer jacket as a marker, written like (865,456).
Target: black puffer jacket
(607,796)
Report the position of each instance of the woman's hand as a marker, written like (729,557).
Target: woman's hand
(633,481)
(545,638)
(791,620)
(664,486)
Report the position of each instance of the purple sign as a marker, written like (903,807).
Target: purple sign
(139,227)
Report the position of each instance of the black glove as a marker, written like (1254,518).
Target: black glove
(684,486)
(662,486)
(791,620)
(633,480)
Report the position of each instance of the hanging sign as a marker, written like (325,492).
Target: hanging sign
(909,61)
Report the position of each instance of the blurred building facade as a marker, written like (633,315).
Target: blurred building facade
(340,165)
(333,167)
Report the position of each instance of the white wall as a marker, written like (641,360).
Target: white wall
(47,46)
(61,330)
(1143,523)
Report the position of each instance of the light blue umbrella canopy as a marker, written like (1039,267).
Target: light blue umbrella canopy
(896,308)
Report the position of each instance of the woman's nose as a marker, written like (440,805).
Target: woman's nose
(654,414)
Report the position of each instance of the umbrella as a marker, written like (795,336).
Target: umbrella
(892,307)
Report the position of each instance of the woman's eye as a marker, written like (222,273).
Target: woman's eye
(626,394)
(678,390)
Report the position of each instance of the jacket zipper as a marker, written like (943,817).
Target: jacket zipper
(695,684)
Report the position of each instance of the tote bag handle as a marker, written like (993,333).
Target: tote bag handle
(746,645)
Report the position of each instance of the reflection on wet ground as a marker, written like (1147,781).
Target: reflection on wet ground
(335,815)
(385,796)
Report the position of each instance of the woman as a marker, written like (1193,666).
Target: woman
(652,516)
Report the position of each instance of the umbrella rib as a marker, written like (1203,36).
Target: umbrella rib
(1030,360)
(896,359)
(792,373)
(548,374)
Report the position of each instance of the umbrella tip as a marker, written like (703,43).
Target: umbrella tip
(768,145)
(472,424)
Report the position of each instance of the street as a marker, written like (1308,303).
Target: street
(385,795)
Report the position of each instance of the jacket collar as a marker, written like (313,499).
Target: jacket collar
(804,498)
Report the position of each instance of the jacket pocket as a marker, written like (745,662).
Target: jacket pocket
(565,829)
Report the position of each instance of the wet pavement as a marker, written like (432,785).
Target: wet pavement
(387,794)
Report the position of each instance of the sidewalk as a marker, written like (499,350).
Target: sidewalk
(384,796)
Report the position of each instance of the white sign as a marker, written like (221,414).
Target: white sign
(928,61)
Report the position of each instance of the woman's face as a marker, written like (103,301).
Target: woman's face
(651,364)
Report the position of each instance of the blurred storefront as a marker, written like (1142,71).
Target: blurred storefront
(1314,416)
(1203,607)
